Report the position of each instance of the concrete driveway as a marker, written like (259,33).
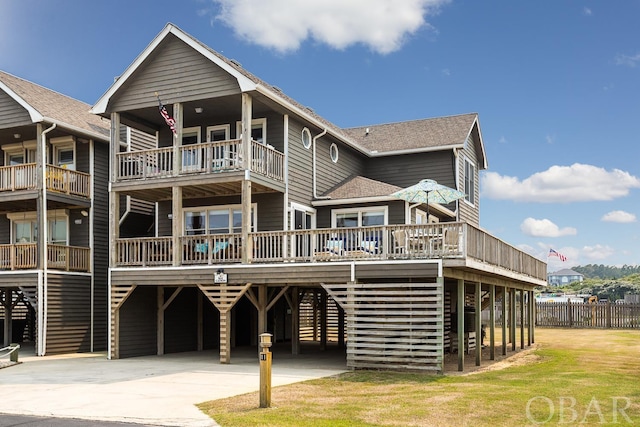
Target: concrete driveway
(151,390)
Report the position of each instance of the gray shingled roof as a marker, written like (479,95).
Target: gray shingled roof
(358,187)
(54,106)
(416,134)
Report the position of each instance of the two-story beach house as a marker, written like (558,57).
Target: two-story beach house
(269,218)
(53,220)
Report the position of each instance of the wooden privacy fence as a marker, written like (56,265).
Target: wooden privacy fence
(585,315)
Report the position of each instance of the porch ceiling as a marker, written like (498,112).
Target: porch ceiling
(193,191)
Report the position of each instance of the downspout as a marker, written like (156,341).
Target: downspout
(43,296)
(315,173)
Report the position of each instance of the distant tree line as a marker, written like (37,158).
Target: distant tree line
(604,272)
(605,289)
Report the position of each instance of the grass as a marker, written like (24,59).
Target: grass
(586,377)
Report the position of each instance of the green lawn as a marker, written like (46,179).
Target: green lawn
(586,377)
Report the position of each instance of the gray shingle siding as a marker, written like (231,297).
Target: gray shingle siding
(11,113)
(176,72)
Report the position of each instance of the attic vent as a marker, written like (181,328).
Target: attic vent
(236,63)
(276,88)
(309,109)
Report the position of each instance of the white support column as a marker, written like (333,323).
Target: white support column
(176,224)
(177,138)
(247,243)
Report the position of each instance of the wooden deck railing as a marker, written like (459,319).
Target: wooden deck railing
(207,157)
(18,177)
(24,256)
(432,241)
(68,181)
(23,177)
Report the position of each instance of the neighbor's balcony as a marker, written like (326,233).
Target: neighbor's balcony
(24,256)
(433,241)
(207,157)
(61,180)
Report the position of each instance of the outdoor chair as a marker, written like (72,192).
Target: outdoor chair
(399,242)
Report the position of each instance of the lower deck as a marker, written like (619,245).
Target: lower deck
(396,315)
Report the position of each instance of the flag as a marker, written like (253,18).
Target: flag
(558,254)
(165,115)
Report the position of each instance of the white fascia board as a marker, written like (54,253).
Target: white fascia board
(33,113)
(76,129)
(476,122)
(101,106)
(332,202)
(415,150)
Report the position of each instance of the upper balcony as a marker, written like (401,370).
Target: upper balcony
(60,180)
(454,242)
(24,256)
(204,158)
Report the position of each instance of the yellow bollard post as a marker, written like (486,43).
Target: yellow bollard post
(265,370)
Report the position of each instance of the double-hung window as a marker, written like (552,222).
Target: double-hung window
(469,182)
(64,152)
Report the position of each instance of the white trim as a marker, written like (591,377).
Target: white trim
(305,209)
(474,172)
(262,122)
(194,129)
(306,131)
(359,211)
(334,153)
(227,131)
(33,113)
(230,208)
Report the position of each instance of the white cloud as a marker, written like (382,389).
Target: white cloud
(597,252)
(503,140)
(545,228)
(619,216)
(627,60)
(283,25)
(550,139)
(561,184)
(587,11)
(446,72)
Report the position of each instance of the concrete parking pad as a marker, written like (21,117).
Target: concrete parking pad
(152,390)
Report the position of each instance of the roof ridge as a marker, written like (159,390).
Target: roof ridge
(412,121)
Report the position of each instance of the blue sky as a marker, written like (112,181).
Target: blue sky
(555,83)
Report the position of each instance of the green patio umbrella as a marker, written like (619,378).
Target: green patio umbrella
(428,191)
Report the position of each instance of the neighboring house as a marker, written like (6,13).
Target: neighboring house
(270,218)
(564,277)
(53,177)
